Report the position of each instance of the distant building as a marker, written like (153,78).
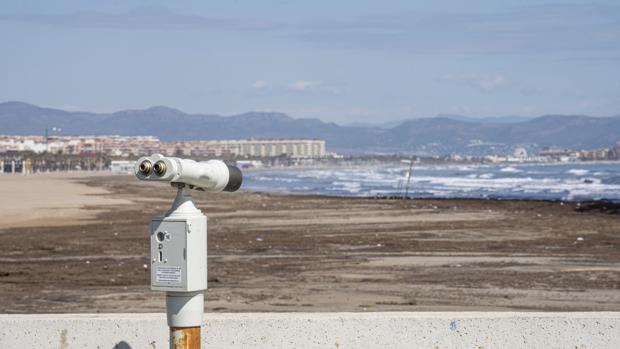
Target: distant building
(559,154)
(616,150)
(122,166)
(123,146)
(243,164)
(586,155)
(520,153)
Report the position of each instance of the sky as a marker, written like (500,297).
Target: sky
(340,61)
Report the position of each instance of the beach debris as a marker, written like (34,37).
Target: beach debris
(379,245)
(259,239)
(145,266)
(87,262)
(579,238)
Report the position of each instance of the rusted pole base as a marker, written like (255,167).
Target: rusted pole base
(184,337)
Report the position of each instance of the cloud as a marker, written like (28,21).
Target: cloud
(525,29)
(314,86)
(492,83)
(305,85)
(141,18)
(460,109)
(539,29)
(259,84)
(483,83)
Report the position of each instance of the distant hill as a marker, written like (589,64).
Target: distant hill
(437,135)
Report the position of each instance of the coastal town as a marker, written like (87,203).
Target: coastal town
(26,154)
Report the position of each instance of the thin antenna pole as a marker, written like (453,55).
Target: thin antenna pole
(47,140)
(408,178)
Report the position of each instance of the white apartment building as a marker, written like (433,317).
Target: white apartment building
(140,145)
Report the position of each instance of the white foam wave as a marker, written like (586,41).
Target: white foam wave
(578,172)
(547,181)
(510,169)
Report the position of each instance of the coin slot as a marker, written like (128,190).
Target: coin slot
(161,236)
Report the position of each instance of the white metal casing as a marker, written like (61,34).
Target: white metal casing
(179,262)
(179,247)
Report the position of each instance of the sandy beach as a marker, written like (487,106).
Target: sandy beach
(54,199)
(79,244)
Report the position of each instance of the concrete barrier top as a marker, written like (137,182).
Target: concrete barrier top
(321,330)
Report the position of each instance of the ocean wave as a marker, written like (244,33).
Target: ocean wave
(484,181)
(578,171)
(510,169)
(611,180)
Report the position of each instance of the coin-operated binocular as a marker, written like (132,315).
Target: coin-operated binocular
(179,239)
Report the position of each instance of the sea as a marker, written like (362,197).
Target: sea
(557,181)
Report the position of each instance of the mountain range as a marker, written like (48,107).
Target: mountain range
(444,134)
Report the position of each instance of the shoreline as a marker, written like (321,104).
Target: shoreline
(412,198)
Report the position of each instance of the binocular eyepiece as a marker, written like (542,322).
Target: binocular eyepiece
(146,168)
(212,175)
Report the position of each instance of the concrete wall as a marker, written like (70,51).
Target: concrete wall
(321,330)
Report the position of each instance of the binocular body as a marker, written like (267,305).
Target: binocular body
(211,175)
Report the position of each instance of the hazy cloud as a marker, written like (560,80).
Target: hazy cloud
(537,29)
(532,29)
(491,83)
(259,84)
(141,18)
(305,85)
(313,86)
(483,83)
(461,109)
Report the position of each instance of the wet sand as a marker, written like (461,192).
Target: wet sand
(272,252)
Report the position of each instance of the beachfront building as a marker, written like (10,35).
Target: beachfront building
(301,148)
(295,148)
(122,166)
(123,146)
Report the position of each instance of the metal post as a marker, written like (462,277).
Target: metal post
(184,337)
(184,311)
(408,178)
(185,295)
